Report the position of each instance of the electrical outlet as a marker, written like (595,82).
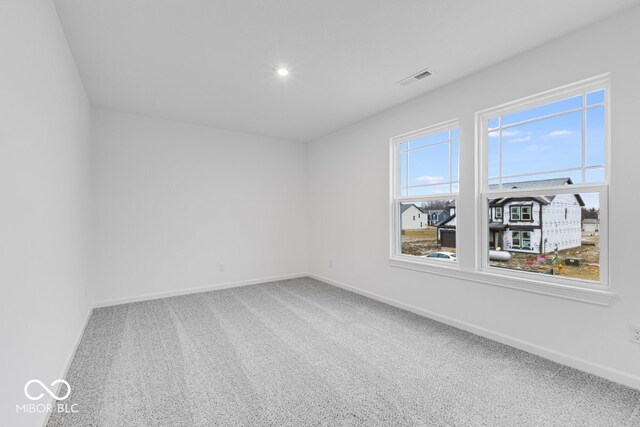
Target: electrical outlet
(220,267)
(634,334)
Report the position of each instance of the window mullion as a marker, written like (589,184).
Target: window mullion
(584,138)
(499,153)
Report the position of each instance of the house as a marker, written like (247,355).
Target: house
(591,225)
(436,216)
(413,217)
(538,224)
(416,218)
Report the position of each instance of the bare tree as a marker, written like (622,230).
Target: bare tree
(436,205)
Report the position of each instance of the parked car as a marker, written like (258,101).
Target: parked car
(449,256)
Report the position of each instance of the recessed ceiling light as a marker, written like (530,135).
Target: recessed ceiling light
(282,72)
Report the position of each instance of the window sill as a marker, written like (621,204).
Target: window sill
(568,291)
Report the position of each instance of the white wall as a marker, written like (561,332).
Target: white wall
(351,168)
(171,201)
(44,188)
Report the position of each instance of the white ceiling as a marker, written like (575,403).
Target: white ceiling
(211,61)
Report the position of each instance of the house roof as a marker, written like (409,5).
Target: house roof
(445,221)
(545,200)
(405,207)
(540,183)
(497,226)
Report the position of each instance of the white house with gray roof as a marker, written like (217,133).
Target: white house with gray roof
(538,224)
(413,218)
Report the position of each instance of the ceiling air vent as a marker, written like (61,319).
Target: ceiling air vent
(414,78)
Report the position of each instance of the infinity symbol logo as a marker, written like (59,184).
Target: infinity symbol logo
(52,394)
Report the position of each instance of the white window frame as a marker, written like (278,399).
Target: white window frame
(396,257)
(513,211)
(593,293)
(598,292)
(513,238)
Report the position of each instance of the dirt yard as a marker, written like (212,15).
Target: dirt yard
(588,254)
(422,242)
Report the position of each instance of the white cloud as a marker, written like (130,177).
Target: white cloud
(538,147)
(505,133)
(508,133)
(557,133)
(430,179)
(521,139)
(514,135)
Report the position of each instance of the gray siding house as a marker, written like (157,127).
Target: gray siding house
(538,224)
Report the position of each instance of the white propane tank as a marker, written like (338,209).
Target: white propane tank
(499,255)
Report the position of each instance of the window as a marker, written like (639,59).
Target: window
(521,239)
(515,239)
(425,180)
(546,158)
(542,169)
(515,213)
(520,213)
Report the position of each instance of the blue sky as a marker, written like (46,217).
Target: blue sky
(550,144)
(539,146)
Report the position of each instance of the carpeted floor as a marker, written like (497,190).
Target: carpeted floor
(300,352)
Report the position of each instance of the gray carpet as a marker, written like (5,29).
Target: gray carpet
(300,352)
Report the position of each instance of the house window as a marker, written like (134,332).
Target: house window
(425,177)
(499,212)
(520,213)
(515,239)
(521,239)
(515,213)
(550,150)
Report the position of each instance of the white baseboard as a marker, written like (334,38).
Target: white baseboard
(611,374)
(157,295)
(72,354)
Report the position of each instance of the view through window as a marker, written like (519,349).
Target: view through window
(535,157)
(425,193)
